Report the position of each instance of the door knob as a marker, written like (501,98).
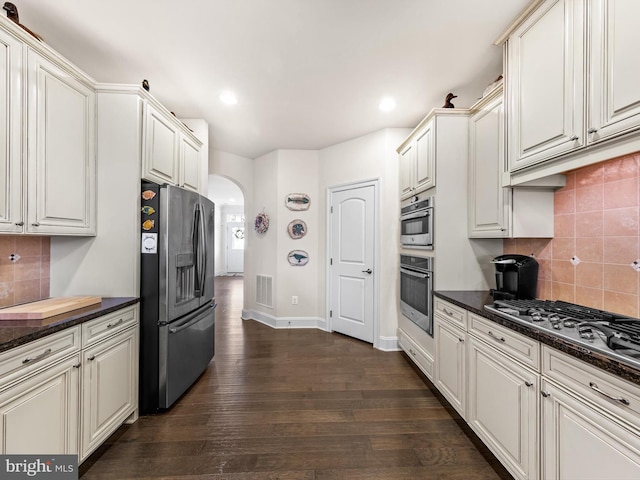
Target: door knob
(368,270)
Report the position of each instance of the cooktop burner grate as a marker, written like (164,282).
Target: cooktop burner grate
(525,307)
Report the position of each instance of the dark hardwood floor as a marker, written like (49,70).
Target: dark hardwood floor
(298,404)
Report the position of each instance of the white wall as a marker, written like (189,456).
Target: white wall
(282,172)
(369,157)
(298,173)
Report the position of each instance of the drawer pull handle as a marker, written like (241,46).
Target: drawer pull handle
(19,224)
(621,400)
(492,335)
(39,357)
(92,357)
(111,325)
(447,312)
(528,384)
(35,224)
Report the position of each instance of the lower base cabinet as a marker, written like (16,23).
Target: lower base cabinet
(109,392)
(40,414)
(450,368)
(502,408)
(60,395)
(543,414)
(579,441)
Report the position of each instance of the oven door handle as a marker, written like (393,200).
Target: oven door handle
(419,214)
(414,274)
(509,261)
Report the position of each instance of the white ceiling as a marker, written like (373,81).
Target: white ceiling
(308,73)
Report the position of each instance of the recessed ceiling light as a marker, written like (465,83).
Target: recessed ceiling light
(387,104)
(228,97)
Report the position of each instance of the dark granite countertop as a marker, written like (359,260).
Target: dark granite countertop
(474,301)
(14,333)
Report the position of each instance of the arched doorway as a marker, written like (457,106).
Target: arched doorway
(230,225)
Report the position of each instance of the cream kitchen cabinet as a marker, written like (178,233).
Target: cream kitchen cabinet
(417,160)
(49,165)
(419,354)
(495,211)
(171,153)
(109,377)
(39,395)
(67,392)
(571,83)
(590,421)
(450,358)
(503,405)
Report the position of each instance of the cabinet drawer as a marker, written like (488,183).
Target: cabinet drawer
(608,391)
(524,349)
(418,355)
(456,315)
(36,355)
(108,325)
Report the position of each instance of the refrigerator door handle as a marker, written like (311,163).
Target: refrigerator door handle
(203,252)
(196,250)
(190,321)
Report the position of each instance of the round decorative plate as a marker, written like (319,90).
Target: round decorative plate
(297,229)
(298,258)
(262,223)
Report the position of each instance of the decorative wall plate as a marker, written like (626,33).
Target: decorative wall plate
(298,258)
(297,201)
(262,223)
(297,229)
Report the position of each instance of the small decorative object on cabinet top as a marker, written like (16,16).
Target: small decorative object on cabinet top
(145,84)
(492,85)
(297,201)
(12,14)
(298,258)
(297,229)
(262,223)
(447,101)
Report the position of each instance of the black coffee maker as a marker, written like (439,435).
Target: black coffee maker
(516,277)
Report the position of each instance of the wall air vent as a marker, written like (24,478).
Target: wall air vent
(264,290)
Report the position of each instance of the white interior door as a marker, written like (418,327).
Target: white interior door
(235,247)
(352,269)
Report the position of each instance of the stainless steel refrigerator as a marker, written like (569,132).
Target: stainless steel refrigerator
(177,302)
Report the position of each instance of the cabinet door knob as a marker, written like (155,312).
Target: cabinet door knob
(545,394)
(574,138)
(461,339)
(35,224)
(77,365)
(528,384)
(19,224)
(92,357)
(592,130)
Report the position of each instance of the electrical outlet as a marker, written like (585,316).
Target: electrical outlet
(294,300)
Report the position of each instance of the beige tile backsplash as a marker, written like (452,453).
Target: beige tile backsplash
(27,279)
(596,224)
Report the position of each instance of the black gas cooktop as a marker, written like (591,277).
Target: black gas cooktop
(617,336)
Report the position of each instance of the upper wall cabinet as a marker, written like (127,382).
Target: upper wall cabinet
(171,153)
(417,161)
(495,211)
(47,177)
(572,84)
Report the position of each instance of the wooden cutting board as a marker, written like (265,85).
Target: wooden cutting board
(47,308)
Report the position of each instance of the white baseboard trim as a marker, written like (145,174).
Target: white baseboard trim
(284,322)
(387,344)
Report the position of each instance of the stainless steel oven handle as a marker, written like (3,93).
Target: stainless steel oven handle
(419,214)
(509,261)
(414,274)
